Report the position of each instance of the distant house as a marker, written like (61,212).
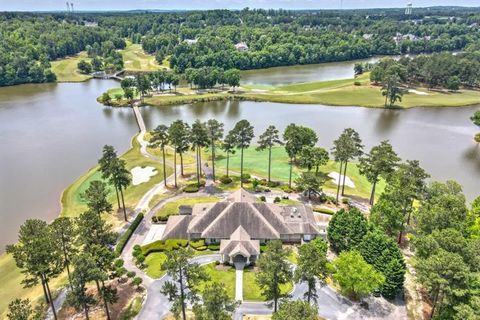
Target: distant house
(190,41)
(240,224)
(241,46)
(367,36)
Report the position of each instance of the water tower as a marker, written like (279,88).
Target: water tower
(409,9)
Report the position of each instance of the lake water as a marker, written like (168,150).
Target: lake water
(52,133)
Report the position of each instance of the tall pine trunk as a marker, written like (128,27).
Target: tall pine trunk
(198,168)
(213,160)
(269,161)
(344,176)
(182,294)
(175,167)
(52,304)
(241,169)
(290,174)
(118,197)
(228,160)
(44,287)
(181,164)
(123,203)
(339,180)
(164,167)
(372,195)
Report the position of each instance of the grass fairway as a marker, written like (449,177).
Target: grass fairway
(171,208)
(346,92)
(72,204)
(256,163)
(135,59)
(66,69)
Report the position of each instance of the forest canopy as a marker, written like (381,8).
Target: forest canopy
(246,39)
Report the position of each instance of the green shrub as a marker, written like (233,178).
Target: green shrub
(345,201)
(197,244)
(122,242)
(255,183)
(191,188)
(213,247)
(324,210)
(164,245)
(131,274)
(163,218)
(203,182)
(225,180)
(273,184)
(357,83)
(263,247)
(246,177)
(287,189)
(201,248)
(477,137)
(263,199)
(277,200)
(263,182)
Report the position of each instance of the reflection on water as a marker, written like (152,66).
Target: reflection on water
(52,133)
(302,73)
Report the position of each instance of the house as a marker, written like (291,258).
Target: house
(190,41)
(241,223)
(241,46)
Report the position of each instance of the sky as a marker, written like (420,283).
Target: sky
(89,5)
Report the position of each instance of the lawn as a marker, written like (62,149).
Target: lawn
(136,59)
(256,163)
(251,291)
(154,263)
(72,203)
(172,208)
(66,69)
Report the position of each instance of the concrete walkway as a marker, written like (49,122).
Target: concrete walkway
(239,285)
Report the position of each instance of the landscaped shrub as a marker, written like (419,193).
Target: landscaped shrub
(154,219)
(191,188)
(263,247)
(255,183)
(122,242)
(345,201)
(277,200)
(202,248)
(477,137)
(203,182)
(324,210)
(273,184)
(164,245)
(225,180)
(246,177)
(162,218)
(357,83)
(286,188)
(263,199)
(263,182)
(213,247)
(197,244)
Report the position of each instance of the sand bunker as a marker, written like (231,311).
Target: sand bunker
(420,93)
(141,175)
(348,182)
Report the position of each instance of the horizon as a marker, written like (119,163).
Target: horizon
(195,5)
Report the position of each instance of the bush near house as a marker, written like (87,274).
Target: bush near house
(324,210)
(163,245)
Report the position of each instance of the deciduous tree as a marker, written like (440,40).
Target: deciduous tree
(346,230)
(296,310)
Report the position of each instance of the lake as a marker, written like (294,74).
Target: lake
(52,133)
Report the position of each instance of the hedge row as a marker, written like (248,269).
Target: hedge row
(324,210)
(167,245)
(122,242)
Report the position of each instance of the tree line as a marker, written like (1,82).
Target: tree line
(31,41)
(274,37)
(441,70)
